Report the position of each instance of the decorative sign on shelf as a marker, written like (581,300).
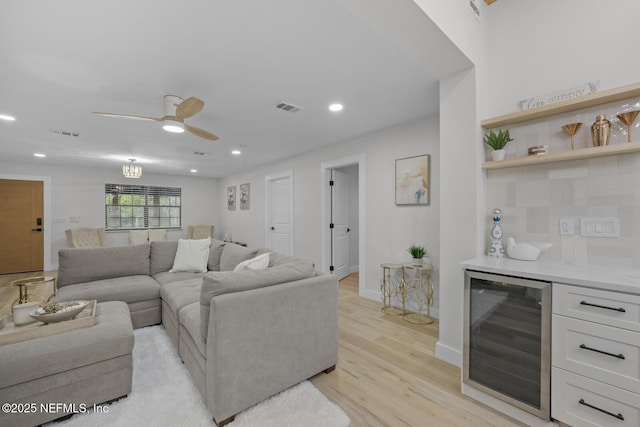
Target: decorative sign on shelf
(561,95)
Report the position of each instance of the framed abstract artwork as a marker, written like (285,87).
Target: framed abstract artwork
(231,198)
(245,196)
(412,180)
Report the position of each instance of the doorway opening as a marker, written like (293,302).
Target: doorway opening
(343,218)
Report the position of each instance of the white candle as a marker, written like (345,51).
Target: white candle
(21,313)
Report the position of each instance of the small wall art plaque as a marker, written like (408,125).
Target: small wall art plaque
(231,198)
(245,196)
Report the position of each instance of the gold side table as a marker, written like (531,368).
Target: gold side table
(419,290)
(23,284)
(392,290)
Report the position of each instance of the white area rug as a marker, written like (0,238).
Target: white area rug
(163,395)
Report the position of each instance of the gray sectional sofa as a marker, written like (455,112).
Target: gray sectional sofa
(243,336)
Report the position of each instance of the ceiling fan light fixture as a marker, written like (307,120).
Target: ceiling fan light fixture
(173,126)
(131,170)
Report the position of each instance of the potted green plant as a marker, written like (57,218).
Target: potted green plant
(497,141)
(417,253)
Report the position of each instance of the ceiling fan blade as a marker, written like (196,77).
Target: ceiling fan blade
(189,107)
(128,116)
(201,133)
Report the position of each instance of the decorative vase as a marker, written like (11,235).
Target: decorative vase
(600,131)
(417,261)
(498,154)
(495,247)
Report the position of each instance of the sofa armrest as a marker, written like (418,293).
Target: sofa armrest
(263,341)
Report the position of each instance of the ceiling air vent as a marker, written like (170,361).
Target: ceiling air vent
(66,133)
(285,106)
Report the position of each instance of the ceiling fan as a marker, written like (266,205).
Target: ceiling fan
(176,110)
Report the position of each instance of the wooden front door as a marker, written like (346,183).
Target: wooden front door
(21,226)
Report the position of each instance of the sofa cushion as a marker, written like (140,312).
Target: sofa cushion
(215,251)
(189,317)
(177,295)
(233,255)
(257,263)
(129,289)
(222,282)
(166,277)
(162,256)
(192,255)
(78,265)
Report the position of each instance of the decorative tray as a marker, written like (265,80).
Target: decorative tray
(10,333)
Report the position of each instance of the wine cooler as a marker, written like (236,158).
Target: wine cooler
(507,323)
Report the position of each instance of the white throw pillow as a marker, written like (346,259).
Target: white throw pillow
(258,263)
(192,256)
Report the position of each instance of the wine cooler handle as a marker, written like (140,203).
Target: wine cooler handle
(618,416)
(619,356)
(621,310)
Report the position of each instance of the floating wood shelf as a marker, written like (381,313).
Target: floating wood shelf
(548,110)
(584,153)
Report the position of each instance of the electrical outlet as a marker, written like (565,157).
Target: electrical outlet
(566,226)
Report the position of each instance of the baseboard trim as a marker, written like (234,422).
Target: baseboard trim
(449,354)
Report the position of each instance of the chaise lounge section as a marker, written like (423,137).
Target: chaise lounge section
(243,335)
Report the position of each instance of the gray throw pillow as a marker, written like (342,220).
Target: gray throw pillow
(233,255)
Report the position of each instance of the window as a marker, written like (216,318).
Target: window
(130,207)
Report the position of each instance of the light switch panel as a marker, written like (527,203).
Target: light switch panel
(600,227)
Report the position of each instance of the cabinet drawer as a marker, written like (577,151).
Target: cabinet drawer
(607,354)
(580,401)
(596,305)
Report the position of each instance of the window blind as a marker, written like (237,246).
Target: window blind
(130,207)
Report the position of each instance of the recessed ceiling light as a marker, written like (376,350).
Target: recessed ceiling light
(39,155)
(236,152)
(194,171)
(336,107)
(7,118)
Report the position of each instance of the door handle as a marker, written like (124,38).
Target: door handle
(348,230)
(36,229)
(273,228)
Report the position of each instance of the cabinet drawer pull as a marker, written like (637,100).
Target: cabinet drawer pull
(618,416)
(621,310)
(619,356)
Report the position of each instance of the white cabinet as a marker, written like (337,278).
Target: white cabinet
(595,357)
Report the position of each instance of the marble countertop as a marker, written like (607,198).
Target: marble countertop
(616,279)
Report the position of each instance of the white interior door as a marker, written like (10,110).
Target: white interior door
(279,215)
(340,219)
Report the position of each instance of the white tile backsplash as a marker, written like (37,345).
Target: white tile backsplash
(532,208)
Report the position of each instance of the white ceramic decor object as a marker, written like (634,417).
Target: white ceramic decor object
(525,251)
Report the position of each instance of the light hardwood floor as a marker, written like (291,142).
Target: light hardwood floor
(387,373)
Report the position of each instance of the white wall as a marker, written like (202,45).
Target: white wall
(539,47)
(389,229)
(79,192)
(520,50)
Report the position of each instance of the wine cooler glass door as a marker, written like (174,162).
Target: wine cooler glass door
(506,346)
